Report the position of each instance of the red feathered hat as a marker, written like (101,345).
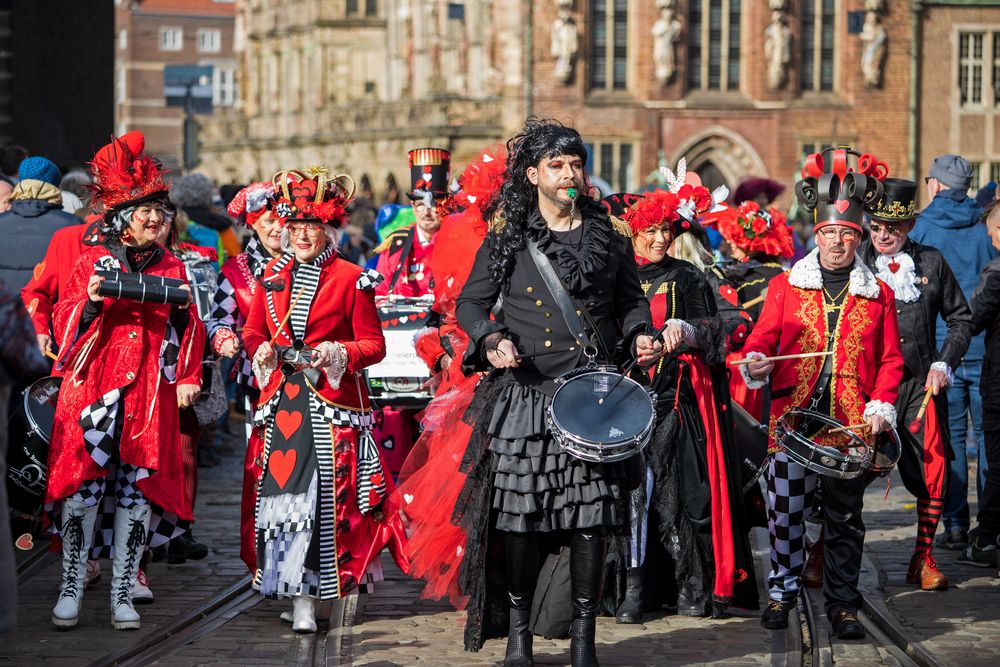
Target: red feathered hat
(655,208)
(251,202)
(312,195)
(481,180)
(125,176)
(754,230)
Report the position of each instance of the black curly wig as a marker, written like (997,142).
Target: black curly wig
(518,197)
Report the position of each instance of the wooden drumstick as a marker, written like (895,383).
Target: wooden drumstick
(914,426)
(631,365)
(48,353)
(284,321)
(780,357)
(852,427)
(757,299)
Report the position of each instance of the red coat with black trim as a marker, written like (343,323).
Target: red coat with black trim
(120,349)
(340,313)
(867,360)
(415,274)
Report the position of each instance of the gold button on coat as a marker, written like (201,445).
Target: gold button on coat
(530,290)
(548,343)
(130,375)
(548,314)
(133,335)
(538,302)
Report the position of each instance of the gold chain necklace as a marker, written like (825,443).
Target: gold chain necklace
(832,303)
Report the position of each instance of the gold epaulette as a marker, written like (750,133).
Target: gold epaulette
(398,237)
(621,226)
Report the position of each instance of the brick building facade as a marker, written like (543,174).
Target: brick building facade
(740,87)
(150,34)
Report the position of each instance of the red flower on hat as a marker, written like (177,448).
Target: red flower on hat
(754,230)
(698,195)
(655,208)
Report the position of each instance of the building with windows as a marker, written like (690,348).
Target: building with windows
(739,88)
(151,34)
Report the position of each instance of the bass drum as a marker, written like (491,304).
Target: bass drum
(30,428)
(601,431)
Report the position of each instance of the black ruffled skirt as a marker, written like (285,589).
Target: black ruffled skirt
(536,485)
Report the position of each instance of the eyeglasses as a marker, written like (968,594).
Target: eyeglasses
(891,231)
(309,230)
(844,234)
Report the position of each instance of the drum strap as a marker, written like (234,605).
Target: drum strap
(404,258)
(562,298)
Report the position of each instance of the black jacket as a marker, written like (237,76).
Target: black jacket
(750,279)
(986,317)
(604,283)
(940,296)
(25,232)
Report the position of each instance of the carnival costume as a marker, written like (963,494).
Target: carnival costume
(114,441)
(691,477)
(925,289)
(430,480)
(851,313)
(321,481)
(238,284)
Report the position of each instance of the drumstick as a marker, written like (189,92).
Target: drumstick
(287,315)
(631,365)
(852,427)
(533,355)
(780,357)
(48,353)
(757,299)
(914,426)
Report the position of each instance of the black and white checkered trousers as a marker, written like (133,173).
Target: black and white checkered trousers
(789,494)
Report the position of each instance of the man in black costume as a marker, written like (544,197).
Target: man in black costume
(542,222)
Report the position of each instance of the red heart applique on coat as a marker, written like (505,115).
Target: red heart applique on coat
(25,542)
(292,390)
(281,464)
(842,205)
(288,422)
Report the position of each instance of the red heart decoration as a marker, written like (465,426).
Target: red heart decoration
(842,205)
(281,465)
(376,479)
(302,193)
(291,390)
(39,270)
(25,542)
(373,497)
(894,266)
(288,422)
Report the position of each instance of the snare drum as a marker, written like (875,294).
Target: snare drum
(751,445)
(795,431)
(614,430)
(888,449)
(30,434)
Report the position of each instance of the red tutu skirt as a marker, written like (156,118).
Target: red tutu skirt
(429,485)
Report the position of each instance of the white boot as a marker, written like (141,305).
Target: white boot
(303,614)
(93,574)
(77,535)
(130,540)
(142,594)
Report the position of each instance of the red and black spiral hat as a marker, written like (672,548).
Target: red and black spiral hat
(838,193)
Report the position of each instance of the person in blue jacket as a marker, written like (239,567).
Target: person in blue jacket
(950,223)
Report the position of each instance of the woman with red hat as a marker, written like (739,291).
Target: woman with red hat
(128,366)
(238,283)
(321,482)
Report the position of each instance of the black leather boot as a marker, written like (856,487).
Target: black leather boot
(522,569)
(687,602)
(586,564)
(630,610)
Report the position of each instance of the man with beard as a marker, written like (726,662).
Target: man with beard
(548,244)
(829,303)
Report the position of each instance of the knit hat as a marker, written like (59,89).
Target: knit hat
(952,170)
(39,169)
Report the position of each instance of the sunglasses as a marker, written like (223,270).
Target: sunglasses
(888,229)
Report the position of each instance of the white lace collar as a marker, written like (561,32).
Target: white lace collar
(805,274)
(903,280)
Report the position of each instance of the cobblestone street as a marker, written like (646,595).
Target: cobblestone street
(394,627)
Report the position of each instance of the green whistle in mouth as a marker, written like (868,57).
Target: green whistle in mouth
(571,192)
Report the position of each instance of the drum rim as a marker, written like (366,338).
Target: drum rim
(27,413)
(642,434)
(862,461)
(885,469)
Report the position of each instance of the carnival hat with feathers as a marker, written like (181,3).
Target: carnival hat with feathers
(124,176)
(754,229)
(313,194)
(695,199)
(251,202)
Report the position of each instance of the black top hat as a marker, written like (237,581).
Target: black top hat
(429,173)
(898,202)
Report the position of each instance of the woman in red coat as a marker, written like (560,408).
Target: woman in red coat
(311,330)
(128,365)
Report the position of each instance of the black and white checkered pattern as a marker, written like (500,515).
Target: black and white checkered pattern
(370,279)
(789,493)
(329,570)
(224,307)
(331,414)
(99,423)
(170,352)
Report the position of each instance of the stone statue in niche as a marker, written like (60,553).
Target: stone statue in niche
(777,46)
(875,41)
(666,31)
(565,41)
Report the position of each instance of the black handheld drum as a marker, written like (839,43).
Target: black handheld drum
(795,431)
(614,430)
(888,449)
(30,434)
(751,445)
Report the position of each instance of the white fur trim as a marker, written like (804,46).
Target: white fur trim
(944,368)
(338,363)
(805,274)
(745,372)
(884,410)
(686,329)
(904,280)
